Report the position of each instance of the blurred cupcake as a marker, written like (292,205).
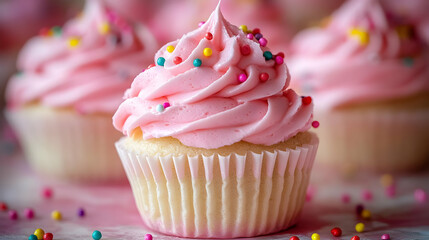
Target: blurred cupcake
(369,78)
(71,80)
(217,146)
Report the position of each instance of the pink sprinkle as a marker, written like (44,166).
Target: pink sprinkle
(166,105)
(390,191)
(366,195)
(13,215)
(310,193)
(385,236)
(345,198)
(420,195)
(148,237)
(245,50)
(250,36)
(201,23)
(29,213)
(279,60)
(315,124)
(242,77)
(47,192)
(263,42)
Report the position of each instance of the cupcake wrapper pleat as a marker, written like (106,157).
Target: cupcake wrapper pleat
(220,196)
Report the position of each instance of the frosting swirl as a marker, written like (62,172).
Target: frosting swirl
(87,65)
(210,108)
(360,56)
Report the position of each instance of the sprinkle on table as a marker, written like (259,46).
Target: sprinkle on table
(385,237)
(148,236)
(96,235)
(47,192)
(359,227)
(13,215)
(3,206)
(420,195)
(39,233)
(48,236)
(315,236)
(336,232)
(355,238)
(32,237)
(386,180)
(366,214)
(56,215)
(367,195)
(345,198)
(80,212)
(294,238)
(29,213)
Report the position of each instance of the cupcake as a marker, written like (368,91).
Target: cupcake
(369,77)
(216,145)
(71,81)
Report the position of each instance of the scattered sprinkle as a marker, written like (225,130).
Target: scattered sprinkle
(201,23)
(13,215)
(258,36)
(359,34)
(336,232)
(355,238)
(29,213)
(243,28)
(366,214)
(268,55)
(306,100)
(160,108)
(279,60)
(263,42)
(420,195)
(256,31)
(315,124)
(345,198)
(207,52)
(56,30)
(80,212)
(170,49)
(242,78)
(151,66)
(177,60)
(160,61)
(56,215)
(359,209)
(209,36)
(263,77)
(3,206)
(390,191)
(407,61)
(166,105)
(281,54)
(74,42)
(366,195)
(47,192)
(148,237)
(48,236)
(104,28)
(197,62)
(32,237)
(315,236)
(96,235)
(360,227)
(245,50)
(385,236)
(250,36)
(294,238)
(386,180)
(39,233)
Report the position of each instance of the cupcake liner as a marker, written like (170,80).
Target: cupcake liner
(375,140)
(67,146)
(220,196)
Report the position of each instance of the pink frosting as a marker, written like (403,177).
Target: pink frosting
(90,77)
(337,68)
(209,107)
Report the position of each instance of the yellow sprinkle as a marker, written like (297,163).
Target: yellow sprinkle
(315,236)
(104,28)
(137,134)
(243,28)
(207,52)
(56,215)
(386,180)
(50,33)
(360,227)
(74,42)
(39,233)
(170,49)
(360,34)
(366,214)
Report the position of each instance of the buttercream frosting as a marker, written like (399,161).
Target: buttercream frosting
(86,65)
(209,107)
(360,56)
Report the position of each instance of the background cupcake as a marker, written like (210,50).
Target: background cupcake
(216,146)
(69,83)
(369,77)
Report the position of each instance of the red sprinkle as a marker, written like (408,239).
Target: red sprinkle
(245,50)
(44,32)
(315,124)
(263,77)
(177,60)
(355,238)
(29,213)
(3,206)
(336,232)
(256,31)
(151,66)
(47,192)
(306,100)
(281,54)
(13,215)
(294,238)
(209,36)
(48,236)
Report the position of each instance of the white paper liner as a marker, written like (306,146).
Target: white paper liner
(374,140)
(67,146)
(220,196)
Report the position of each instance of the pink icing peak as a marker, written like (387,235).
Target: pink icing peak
(361,56)
(87,67)
(209,107)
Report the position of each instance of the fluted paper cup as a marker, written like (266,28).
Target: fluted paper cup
(220,196)
(64,145)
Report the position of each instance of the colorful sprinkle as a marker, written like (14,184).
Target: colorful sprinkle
(258,36)
(29,213)
(13,215)
(44,32)
(57,30)
(201,23)
(281,54)
(420,195)
(243,28)
(256,31)
(336,232)
(32,237)
(160,61)
(390,191)
(148,237)
(104,28)
(245,50)
(279,60)
(366,214)
(177,60)
(360,227)
(151,66)
(359,209)
(197,62)
(386,180)
(294,238)
(263,77)
(207,52)
(166,105)
(81,212)
(47,192)
(56,215)
(355,238)
(48,236)
(209,36)
(3,206)
(96,235)
(306,100)
(385,236)
(366,195)
(242,78)
(263,42)
(359,34)
(250,36)
(39,233)
(345,198)
(267,55)
(315,236)
(404,31)
(160,108)
(408,61)
(74,42)
(170,49)
(315,124)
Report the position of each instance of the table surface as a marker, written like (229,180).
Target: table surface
(111,209)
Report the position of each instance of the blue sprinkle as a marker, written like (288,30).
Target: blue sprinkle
(160,61)
(96,235)
(197,62)
(268,55)
(160,108)
(408,61)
